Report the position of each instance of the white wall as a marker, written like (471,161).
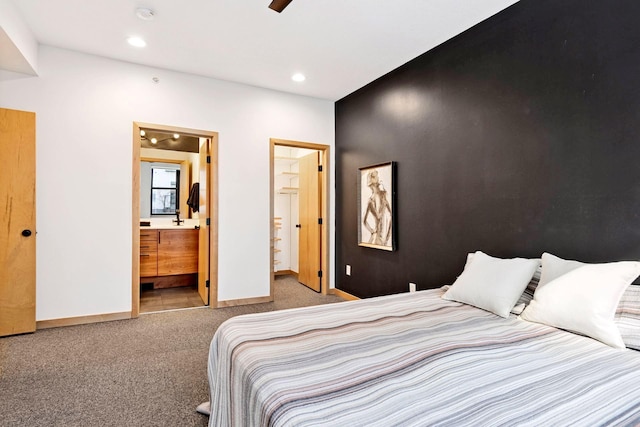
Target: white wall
(85,106)
(19,48)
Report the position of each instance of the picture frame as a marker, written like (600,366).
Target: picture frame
(377,206)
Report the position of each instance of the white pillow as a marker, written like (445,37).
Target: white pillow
(554,267)
(527,295)
(584,300)
(493,284)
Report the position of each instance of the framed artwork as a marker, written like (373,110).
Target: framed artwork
(376,206)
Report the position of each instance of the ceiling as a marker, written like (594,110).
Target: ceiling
(165,141)
(340,45)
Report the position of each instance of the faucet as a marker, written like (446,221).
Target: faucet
(178,220)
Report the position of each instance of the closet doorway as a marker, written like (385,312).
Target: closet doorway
(299,213)
(186,253)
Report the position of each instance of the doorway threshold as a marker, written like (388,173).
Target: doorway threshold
(173,309)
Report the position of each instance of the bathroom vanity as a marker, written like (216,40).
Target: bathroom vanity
(168,256)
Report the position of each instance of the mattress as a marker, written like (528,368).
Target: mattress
(414,359)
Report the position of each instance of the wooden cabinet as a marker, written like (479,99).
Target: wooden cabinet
(148,253)
(168,252)
(177,252)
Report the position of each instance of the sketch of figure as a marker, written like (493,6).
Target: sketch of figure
(377,214)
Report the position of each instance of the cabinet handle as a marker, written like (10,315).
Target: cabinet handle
(145,255)
(143,247)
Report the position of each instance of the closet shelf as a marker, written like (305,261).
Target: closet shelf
(277,225)
(288,190)
(289,175)
(289,160)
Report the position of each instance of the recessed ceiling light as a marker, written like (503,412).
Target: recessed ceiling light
(298,77)
(142,132)
(176,135)
(145,13)
(136,41)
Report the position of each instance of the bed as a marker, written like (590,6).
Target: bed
(415,359)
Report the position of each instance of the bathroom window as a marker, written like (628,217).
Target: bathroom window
(165,191)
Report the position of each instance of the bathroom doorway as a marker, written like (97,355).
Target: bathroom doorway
(175,221)
(299,214)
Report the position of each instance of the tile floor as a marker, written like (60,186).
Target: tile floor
(169,299)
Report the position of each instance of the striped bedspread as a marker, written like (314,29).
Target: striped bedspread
(414,360)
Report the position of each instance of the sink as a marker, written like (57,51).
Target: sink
(166,223)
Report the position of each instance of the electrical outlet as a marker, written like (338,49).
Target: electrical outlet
(412,287)
(348,270)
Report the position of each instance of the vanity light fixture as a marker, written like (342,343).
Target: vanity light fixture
(145,137)
(298,77)
(136,41)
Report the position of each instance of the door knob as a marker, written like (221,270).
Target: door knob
(298,226)
(26,233)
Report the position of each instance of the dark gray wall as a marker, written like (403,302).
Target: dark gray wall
(519,136)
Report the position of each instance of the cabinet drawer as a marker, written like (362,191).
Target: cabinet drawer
(146,235)
(147,246)
(148,253)
(148,263)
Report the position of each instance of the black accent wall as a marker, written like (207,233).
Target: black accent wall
(521,135)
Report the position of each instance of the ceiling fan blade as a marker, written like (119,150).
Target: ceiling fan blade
(279,5)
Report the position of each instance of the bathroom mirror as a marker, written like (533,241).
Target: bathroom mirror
(169,165)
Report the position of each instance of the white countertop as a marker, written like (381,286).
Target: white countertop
(167,224)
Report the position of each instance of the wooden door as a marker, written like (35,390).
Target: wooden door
(17,238)
(309,249)
(203,214)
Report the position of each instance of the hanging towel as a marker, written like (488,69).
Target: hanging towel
(194,197)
